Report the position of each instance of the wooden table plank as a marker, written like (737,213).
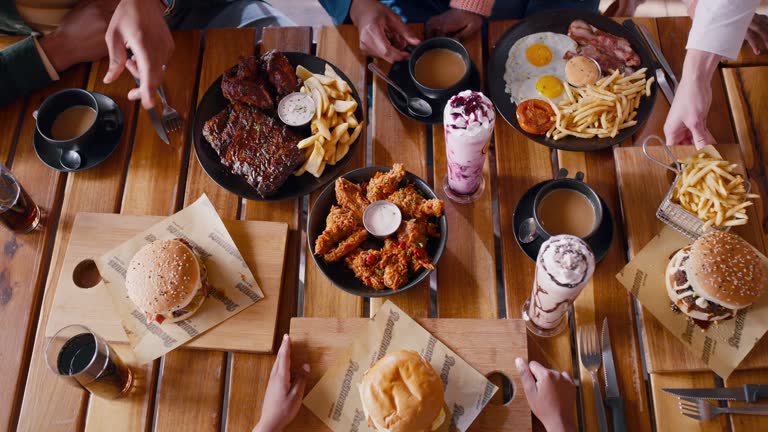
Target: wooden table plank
(249,373)
(520,164)
(339,45)
(655,123)
(397,138)
(25,263)
(191,386)
(604,297)
(466,274)
(673,34)
(746,97)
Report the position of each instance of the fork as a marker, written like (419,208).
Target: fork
(703,411)
(171,118)
(591,358)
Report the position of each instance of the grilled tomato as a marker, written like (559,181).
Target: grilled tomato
(535,116)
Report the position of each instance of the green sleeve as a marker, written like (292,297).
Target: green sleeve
(21,70)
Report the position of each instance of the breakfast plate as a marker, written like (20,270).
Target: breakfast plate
(558,22)
(338,272)
(399,74)
(214,102)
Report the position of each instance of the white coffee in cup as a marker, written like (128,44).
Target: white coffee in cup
(73,122)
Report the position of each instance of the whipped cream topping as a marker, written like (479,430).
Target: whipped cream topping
(567,260)
(469,113)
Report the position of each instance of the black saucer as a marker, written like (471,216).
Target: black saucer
(105,141)
(600,243)
(399,74)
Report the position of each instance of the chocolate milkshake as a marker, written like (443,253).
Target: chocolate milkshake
(563,268)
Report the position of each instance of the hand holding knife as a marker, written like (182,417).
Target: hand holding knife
(154,117)
(612,395)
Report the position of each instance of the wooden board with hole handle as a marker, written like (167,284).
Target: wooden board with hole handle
(486,344)
(262,245)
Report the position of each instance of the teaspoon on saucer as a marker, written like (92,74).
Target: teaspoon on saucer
(416,106)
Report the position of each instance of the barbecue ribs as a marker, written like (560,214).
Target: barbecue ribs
(255,146)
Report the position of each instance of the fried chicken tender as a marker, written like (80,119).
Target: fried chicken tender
(350,196)
(363,264)
(339,225)
(383,185)
(346,246)
(395,264)
(413,205)
(413,236)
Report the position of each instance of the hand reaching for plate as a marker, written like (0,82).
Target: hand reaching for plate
(383,33)
(551,395)
(456,23)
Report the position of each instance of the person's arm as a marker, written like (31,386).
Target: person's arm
(22,70)
(719,27)
(480,7)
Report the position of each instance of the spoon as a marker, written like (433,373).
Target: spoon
(70,159)
(416,106)
(527,231)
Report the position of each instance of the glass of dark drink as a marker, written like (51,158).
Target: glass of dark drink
(17,210)
(86,360)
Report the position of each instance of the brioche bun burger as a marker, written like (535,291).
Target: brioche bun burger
(403,393)
(167,281)
(710,280)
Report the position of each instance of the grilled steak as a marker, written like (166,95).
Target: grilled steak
(245,83)
(255,146)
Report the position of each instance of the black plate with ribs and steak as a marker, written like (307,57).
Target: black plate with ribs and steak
(602,39)
(241,142)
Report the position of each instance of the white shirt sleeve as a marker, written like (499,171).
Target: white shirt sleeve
(719,26)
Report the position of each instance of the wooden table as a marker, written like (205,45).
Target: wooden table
(203,390)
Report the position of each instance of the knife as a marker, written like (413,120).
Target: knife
(659,55)
(749,393)
(661,78)
(154,117)
(612,395)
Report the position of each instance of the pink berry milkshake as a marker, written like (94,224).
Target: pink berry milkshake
(468,121)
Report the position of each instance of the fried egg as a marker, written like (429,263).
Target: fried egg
(535,67)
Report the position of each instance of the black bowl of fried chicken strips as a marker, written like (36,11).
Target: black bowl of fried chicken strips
(356,261)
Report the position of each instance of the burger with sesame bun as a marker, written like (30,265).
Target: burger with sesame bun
(167,280)
(716,276)
(402,393)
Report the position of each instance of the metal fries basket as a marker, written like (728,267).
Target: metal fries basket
(672,214)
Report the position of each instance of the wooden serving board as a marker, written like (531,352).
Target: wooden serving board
(262,245)
(643,185)
(488,345)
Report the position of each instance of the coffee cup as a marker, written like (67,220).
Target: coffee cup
(436,86)
(70,119)
(567,206)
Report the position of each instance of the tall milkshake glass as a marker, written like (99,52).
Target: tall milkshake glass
(468,121)
(563,268)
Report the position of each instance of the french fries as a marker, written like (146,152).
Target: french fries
(334,127)
(709,188)
(602,109)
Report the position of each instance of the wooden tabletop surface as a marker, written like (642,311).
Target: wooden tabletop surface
(209,391)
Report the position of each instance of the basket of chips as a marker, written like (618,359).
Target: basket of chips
(707,194)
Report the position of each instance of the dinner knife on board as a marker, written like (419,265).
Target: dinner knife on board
(749,393)
(612,395)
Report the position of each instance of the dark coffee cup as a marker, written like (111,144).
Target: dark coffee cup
(56,104)
(435,43)
(576,184)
